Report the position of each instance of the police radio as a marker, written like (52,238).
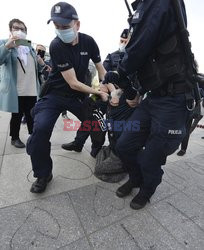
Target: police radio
(130,15)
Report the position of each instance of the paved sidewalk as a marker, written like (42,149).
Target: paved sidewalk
(79,212)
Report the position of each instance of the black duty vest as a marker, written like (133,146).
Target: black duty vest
(165,66)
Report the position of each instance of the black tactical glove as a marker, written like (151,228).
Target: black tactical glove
(111,77)
(122,81)
(130,92)
(126,84)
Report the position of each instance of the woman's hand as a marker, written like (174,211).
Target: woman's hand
(104,96)
(11,42)
(114,101)
(115,97)
(104,88)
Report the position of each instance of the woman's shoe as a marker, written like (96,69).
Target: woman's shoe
(17,143)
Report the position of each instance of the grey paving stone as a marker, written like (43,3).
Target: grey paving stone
(200,158)
(1,159)
(174,178)
(183,218)
(110,186)
(114,237)
(196,166)
(42,224)
(139,231)
(190,171)
(196,136)
(196,193)
(16,176)
(195,147)
(81,244)
(60,136)
(87,146)
(98,207)
(199,141)
(83,157)
(4,121)
(163,190)
(3,137)
(173,220)
(198,163)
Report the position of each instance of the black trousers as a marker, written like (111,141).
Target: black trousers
(46,113)
(25,104)
(153,131)
(184,143)
(190,126)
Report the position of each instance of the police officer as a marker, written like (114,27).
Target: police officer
(112,59)
(70,52)
(154,52)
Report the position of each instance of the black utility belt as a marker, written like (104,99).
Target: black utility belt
(171,89)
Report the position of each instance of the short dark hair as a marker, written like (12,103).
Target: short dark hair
(15,20)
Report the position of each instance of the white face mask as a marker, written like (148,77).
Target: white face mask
(122,47)
(67,36)
(20,34)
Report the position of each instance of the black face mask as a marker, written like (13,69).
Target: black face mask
(41,53)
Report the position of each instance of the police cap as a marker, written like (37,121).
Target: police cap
(63,13)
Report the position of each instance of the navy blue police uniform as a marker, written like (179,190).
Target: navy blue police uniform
(163,113)
(60,97)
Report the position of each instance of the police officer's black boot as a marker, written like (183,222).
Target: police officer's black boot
(126,188)
(40,184)
(181,152)
(95,151)
(140,200)
(72,146)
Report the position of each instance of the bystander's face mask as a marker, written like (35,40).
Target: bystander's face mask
(122,44)
(20,34)
(122,47)
(67,35)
